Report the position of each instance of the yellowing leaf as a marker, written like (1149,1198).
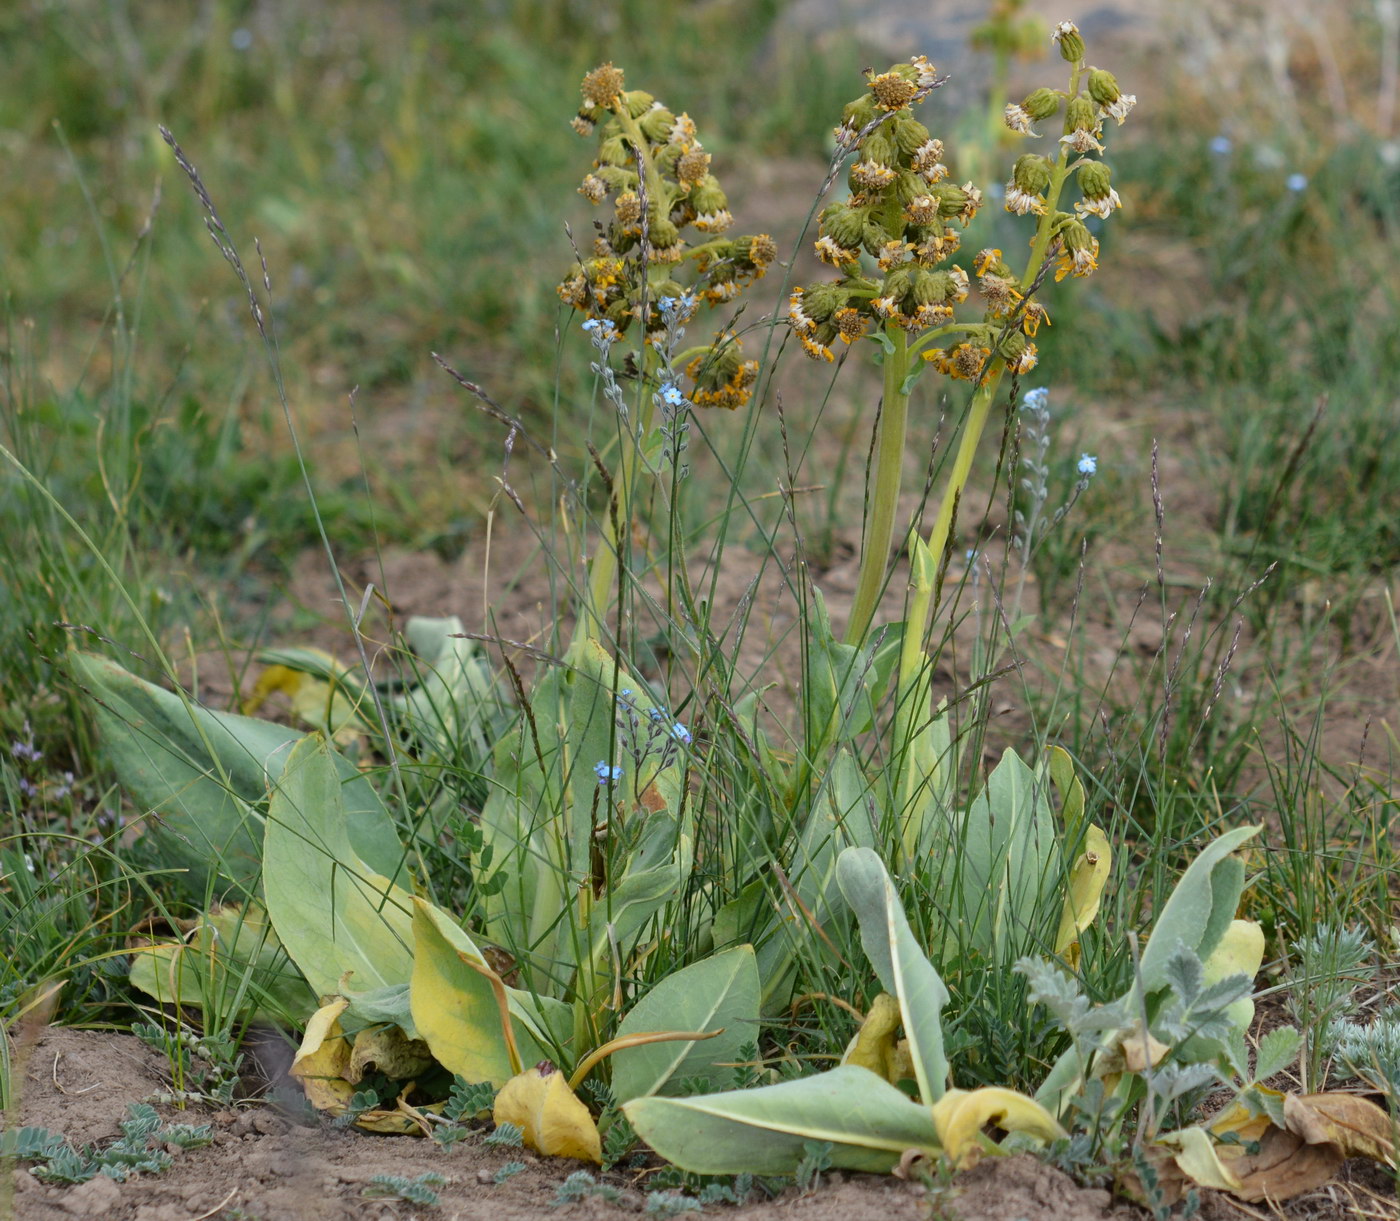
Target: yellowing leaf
(1320,1132)
(549,1114)
(320,703)
(1358,1127)
(874,1044)
(323,1058)
(1198,1159)
(455,1006)
(1284,1166)
(1240,951)
(960,1117)
(388,1050)
(1087,879)
(1140,1050)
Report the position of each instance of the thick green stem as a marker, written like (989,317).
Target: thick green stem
(884,498)
(913,687)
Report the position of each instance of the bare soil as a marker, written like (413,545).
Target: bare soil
(264,1165)
(81,1082)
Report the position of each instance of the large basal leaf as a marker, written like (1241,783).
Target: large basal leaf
(456,1010)
(455,705)
(545,803)
(868,1123)
(229,963)
(333,912)
(1200,907)
(904,970)
(1004,866)
(200,771)
(717,993)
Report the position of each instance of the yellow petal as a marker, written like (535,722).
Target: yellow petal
(549,1114)
(1086,882)
(960,1117)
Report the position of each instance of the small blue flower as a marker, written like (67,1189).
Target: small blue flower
(681,734)
(1088,464)
(625,693)
(1221,145)
(1036,399)
(1296,182)
(671,395)
(606,773)
(592,325)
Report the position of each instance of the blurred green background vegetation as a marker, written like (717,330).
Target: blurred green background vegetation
(408,170)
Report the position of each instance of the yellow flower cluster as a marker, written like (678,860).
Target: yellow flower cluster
(904,216)
(651,162)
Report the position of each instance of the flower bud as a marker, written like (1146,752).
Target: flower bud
(656,124)
(960,201)
(822,300)
(844,224)
(857,114)
(617,178)
(1080,116)
(1094,180)
(1103,87)
(614,150)
(662,232)
(909,135)
(638,102)
(880,148)
(707,195)
(934,287)
(898,282)
(1041,103)
(1031,173)
(1071,44)
(1012,347)
(873,237)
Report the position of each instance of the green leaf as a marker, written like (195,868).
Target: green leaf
(229,964)
(456,705)
(1003,873)
(904,971)
(717,993)
(332,911)
(202,772)
(540,817)
(1277,1050)
(843,681)
(843,815)
(1200,907)
(1066,780)
(868,1123)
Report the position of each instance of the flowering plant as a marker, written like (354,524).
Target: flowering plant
(905,214)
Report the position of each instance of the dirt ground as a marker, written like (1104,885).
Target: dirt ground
(262,1165)
(81,1082)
